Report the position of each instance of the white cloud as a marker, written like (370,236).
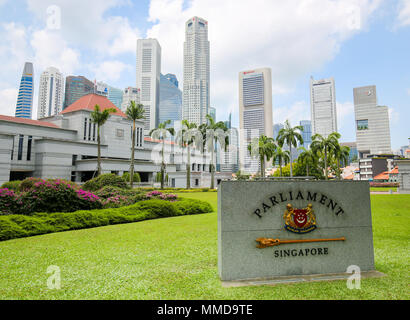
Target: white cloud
(8,100)
(393,116)
(85,24)
(404,13)
(50,49)
(109,70)
(298,111)
(292,38)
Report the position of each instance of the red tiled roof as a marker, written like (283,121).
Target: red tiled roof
(29,121)
(382,176)
(89,101)
(158,141)
(394,171)
(349,177)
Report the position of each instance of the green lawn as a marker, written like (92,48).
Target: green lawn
(176,258)
(383,189)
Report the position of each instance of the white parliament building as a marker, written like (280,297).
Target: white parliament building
(65,146)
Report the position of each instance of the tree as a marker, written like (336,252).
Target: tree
(192,137)
(324,147)
(307,158)
(282,156)
(134,112)
(341,154)
(291,137)
(161,133)
(100,118)
(262,148)
(214,132)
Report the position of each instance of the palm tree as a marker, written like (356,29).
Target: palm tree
(191,136)
(214,132)
(264,148)
(161,133)
(100,117)
(308,158)
(325,146)
(291,137)
(341,154)
(134,112)
(282,156)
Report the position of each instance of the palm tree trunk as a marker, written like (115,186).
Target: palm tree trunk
(291,162)
(280,166)
(326,178)
(188,169)
(162,166)
(132,156)
(212,168)
(262,159)
(99,151)
(307,169)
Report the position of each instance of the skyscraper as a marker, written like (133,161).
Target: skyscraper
(148,79)
(306,133)
(323,106)
(170,101)
(196,91)
(130,94)
(75,88)
(51,93)
(212,113)
(255,112)
(172,78)
(372,123)
(24,104)
(115,96)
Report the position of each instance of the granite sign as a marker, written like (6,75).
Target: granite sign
(270,229)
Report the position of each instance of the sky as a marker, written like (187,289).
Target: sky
(357,42)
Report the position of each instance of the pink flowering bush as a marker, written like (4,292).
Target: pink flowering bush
(49,196)
(8,201)
(159,195)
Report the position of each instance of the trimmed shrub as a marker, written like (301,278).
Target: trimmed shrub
(17,226)
(157,207)
(127,177)
(108,179)
(384,184)
(12,185)
(191,206)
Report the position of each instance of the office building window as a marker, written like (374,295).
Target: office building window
(12,150)
(20,149)
(85,129)
(29,144)
(362,124)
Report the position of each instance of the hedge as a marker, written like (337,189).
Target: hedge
(17,226)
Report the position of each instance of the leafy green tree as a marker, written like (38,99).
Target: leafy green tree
(161,133)
(134,112)
(341,155)
(100,118)
(282,157)
(325,147)
(262,148)
(307,158)
(291,136)
(214,132)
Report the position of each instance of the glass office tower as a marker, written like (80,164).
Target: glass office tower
(24,105)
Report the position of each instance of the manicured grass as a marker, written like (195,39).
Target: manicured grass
(176,258)
(383,189)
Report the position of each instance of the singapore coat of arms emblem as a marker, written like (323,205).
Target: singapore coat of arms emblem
(299,220)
